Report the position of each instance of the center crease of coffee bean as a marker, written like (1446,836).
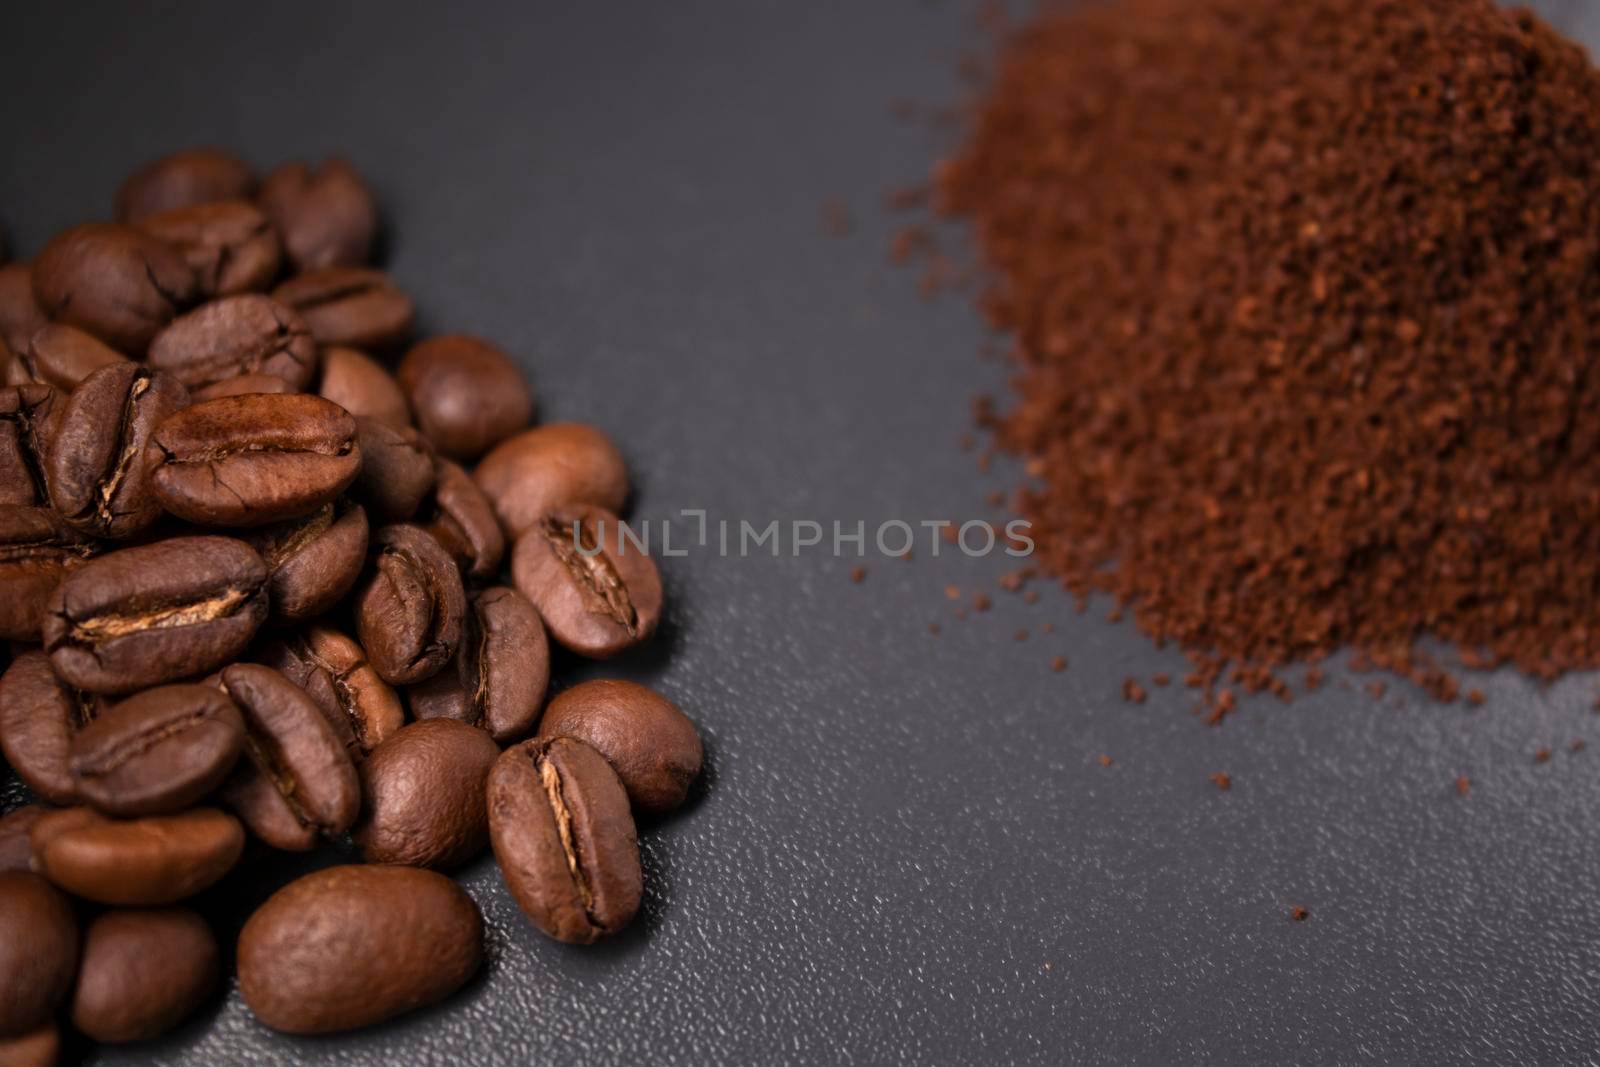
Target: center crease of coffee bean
(550,778)
(110,625)
(266,758)
(595,574)
(136,746)
(127,449)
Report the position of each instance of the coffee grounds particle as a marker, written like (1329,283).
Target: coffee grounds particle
(952,592)
(1542,756)
(1031,596)
(858,574)
(1222,780)
(1161,679)
(1132,691)
(981,602)
(1105,761)
(1021,635)
(1474,697)
(1300,915)
(934,628)
(1058,664)
(1577,745)
(1463,784)
(1048,628)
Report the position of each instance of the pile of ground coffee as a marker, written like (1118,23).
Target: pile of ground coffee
(1306,302)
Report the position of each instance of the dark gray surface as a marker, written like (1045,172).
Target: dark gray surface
(908,850)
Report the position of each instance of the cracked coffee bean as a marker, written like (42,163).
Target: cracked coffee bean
(155,613)
(565,839)
(98,469)
(230,245)
(408,938)
(20,314)
(38,951)
(252,460)
(62,356)
(327,216)
(409,610)
(498,678)
(348,306)
(144,862)
(236,335)
(37,549)
(143,972)
(29,415)
(652,745)
(424,796)
(193,176)
(16,850)
(598,593)
(158,751)
(531,474)
(363,709)
(463,521)
(39,717)
(360,384)
(466,394)
(297,784)
(119,284)
(314,561)
(396,470)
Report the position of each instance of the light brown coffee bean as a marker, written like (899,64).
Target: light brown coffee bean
(466,394)
(597,592)
(158,751)
(531,474)
(333,670)
(230,245)
(232,336)
(62,356)
(314,561)
(362,386)
(347,306)
(143,972)
(498,678)
(409,608)
(115,282)
(424,792)
(193,176)
(652,746)
(463,521)
(39,717)
(155,860)
(327,216)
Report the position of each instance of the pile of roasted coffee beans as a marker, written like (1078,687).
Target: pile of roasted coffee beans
(253,601)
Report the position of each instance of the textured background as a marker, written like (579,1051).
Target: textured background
(906,849)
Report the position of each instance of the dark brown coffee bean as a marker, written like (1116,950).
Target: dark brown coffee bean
(252,460)
(38,951)
(230,245)
(16,850)
(20,314)
(193,176)
(466,394)
(39,1048)
(333,670)
(527,476)
(564,838)
(157,752)
(463,521)
(62,356)
(498,679)
(407,938)
(347,306)
(98,469)
(298,781)
(155,613)
(39,717)
(597,592)
(244,385)
(159,859)
(327,216)
(29,415)
(360,384)
(143,972)
(396,470)
(121,285)
(37,549)
(409,609)
(424,793)
(248,334)
(314,561)
(651,745)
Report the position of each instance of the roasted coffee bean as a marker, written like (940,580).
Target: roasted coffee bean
(39,1048)
(39,716)
(327,216)
(314,561)
(118,283)
(248,334)
(155,613)
(598,592)
(463,521)
(564,838)
(252,460)
(244,385)
(16,850)
(424,793)
(298,781)
(396,470)
(37,549)
(29,415)
(158,751)
(402,939)
(230,245)
(466,394)
(62,356)
(360,384)
(347,306)
(159,859)
(98,469)
(20,314)
(527,476)
(193,176)
(651,745)
(333,670)
(498,679)
(38,951)
(409,609)
(143,972)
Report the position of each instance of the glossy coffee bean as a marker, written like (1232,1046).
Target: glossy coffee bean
(244,385)
(565,839)
(297,782)
(155,613)
(20,314)
(651,745)
(424,793)
(498,679)
(349,306)
(230,245)
(396,470)
(531,474)
(116,282)
(16,850)
(248,334)
(466,394)
(29,415)
(333,670)
(38,951)
(98,471)
(143,972)
(193,176)
(39,717)
(62,356)
(597,592)
(253,460)
(362,386)
(410,606)
(314,560)
(463,522)
(327,216)
(146,862)
(157,752)
(407,938)
(37,550)
(38,1048)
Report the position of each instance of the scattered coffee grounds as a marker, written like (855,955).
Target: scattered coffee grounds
(1222,780)
(1305,300)
(1132,691)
